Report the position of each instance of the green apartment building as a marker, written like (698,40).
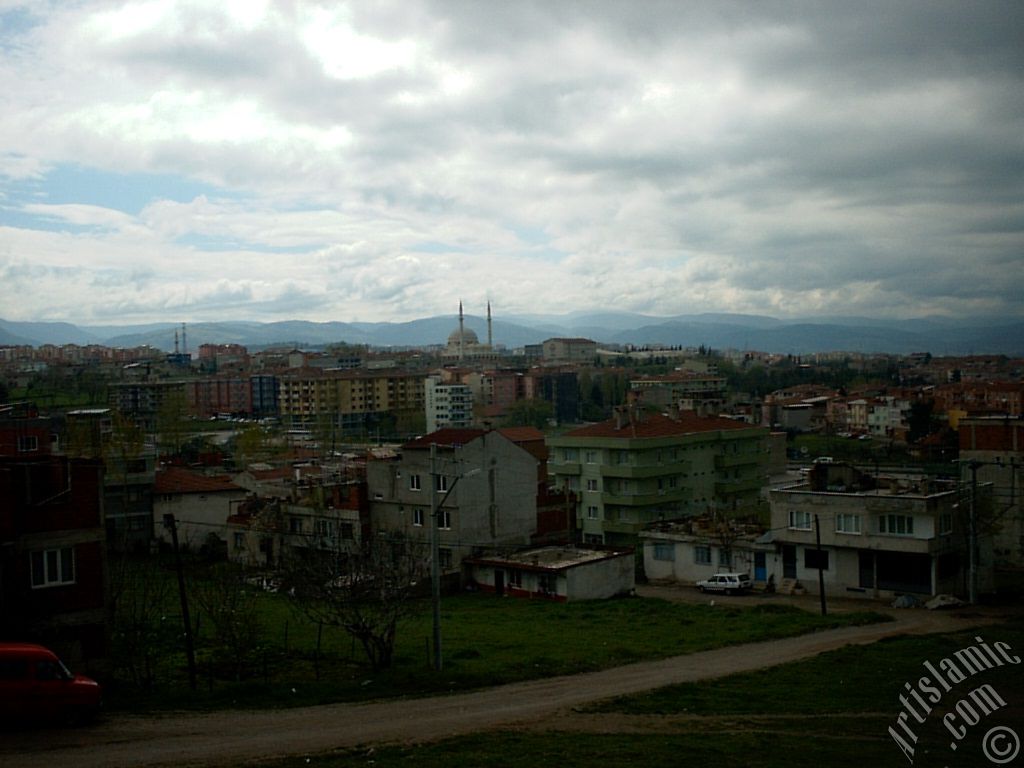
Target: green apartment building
(637,468)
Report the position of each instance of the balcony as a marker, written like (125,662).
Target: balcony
(639,471)
(667,496)
(741,485)
(733,460)
(564,467)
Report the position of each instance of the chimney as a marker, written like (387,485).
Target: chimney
(620,416)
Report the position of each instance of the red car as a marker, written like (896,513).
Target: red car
(35,685)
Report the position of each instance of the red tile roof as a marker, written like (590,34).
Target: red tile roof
(522,434)
(181,480)
(653,425)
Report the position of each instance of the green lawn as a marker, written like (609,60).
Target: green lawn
(485,641)
(833,710)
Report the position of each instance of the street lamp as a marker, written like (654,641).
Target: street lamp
(435,546)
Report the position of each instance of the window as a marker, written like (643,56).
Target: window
(515,578)
(294,525)
(591,483)
(444,518)
(896,525)
(847,523)
(52,567)
(322,527)
(591,457)
(28,443)
(570,454)
(417,517)
(816,558)
(702,555)
(665,550)
(945,523)
(725,557)
(414,483)
(347,531)
(440,483)
(592,513)
(239,541)
(800,519)
(444,558)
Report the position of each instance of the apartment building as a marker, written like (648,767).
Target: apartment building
(348,399)
(637,468)
(447,404)
(485,486)
(880,536)
(53,559)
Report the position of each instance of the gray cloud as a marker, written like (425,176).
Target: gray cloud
(772,157)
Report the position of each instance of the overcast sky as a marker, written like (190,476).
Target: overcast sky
(188,161)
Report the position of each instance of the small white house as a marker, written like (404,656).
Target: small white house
(687,551)
(555,573)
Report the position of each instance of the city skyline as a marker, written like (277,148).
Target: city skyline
(368,162)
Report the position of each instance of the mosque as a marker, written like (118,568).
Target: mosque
(464,345)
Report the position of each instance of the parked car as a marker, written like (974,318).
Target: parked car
(35,685)
(729,583)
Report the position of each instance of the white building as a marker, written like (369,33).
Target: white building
(555,573)
(447,405)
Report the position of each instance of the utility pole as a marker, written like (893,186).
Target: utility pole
(821,569)
(436,511)
(435,555)
(972,537)
(171,524)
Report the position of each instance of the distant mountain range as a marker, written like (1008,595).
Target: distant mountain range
(939,336)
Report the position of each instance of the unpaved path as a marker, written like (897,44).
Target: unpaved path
(237,738)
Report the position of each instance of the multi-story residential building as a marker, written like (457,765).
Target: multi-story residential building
(209,397)
(53,561)
(638,467)
(447,404)
(485,486)
(992,451)
(879,536)
(130,471)
(144,400)
(331,519)
(571,350)
(349,400)
(704,393)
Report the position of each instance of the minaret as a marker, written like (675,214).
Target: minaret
(462,333)
(490,336)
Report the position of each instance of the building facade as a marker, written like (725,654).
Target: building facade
(637,468)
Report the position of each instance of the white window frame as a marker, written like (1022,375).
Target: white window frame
(702,554)
(444,519)
(28,443)
(417,516)
(414,483)
(848,523)
(799,520)
(440,483)
(593,512)
(890,524)
(54,566)
(592,484)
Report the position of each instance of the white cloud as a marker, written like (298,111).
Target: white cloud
(382,160)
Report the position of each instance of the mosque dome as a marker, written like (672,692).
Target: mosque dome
(468,337)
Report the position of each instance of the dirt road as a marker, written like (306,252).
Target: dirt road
(233,738)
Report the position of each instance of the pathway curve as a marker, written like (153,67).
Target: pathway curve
(236,737)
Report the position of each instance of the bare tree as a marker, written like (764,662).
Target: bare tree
(141,595)
(231,606)
(365,591)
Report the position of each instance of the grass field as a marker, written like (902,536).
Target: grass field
(486,641)
(832,710)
